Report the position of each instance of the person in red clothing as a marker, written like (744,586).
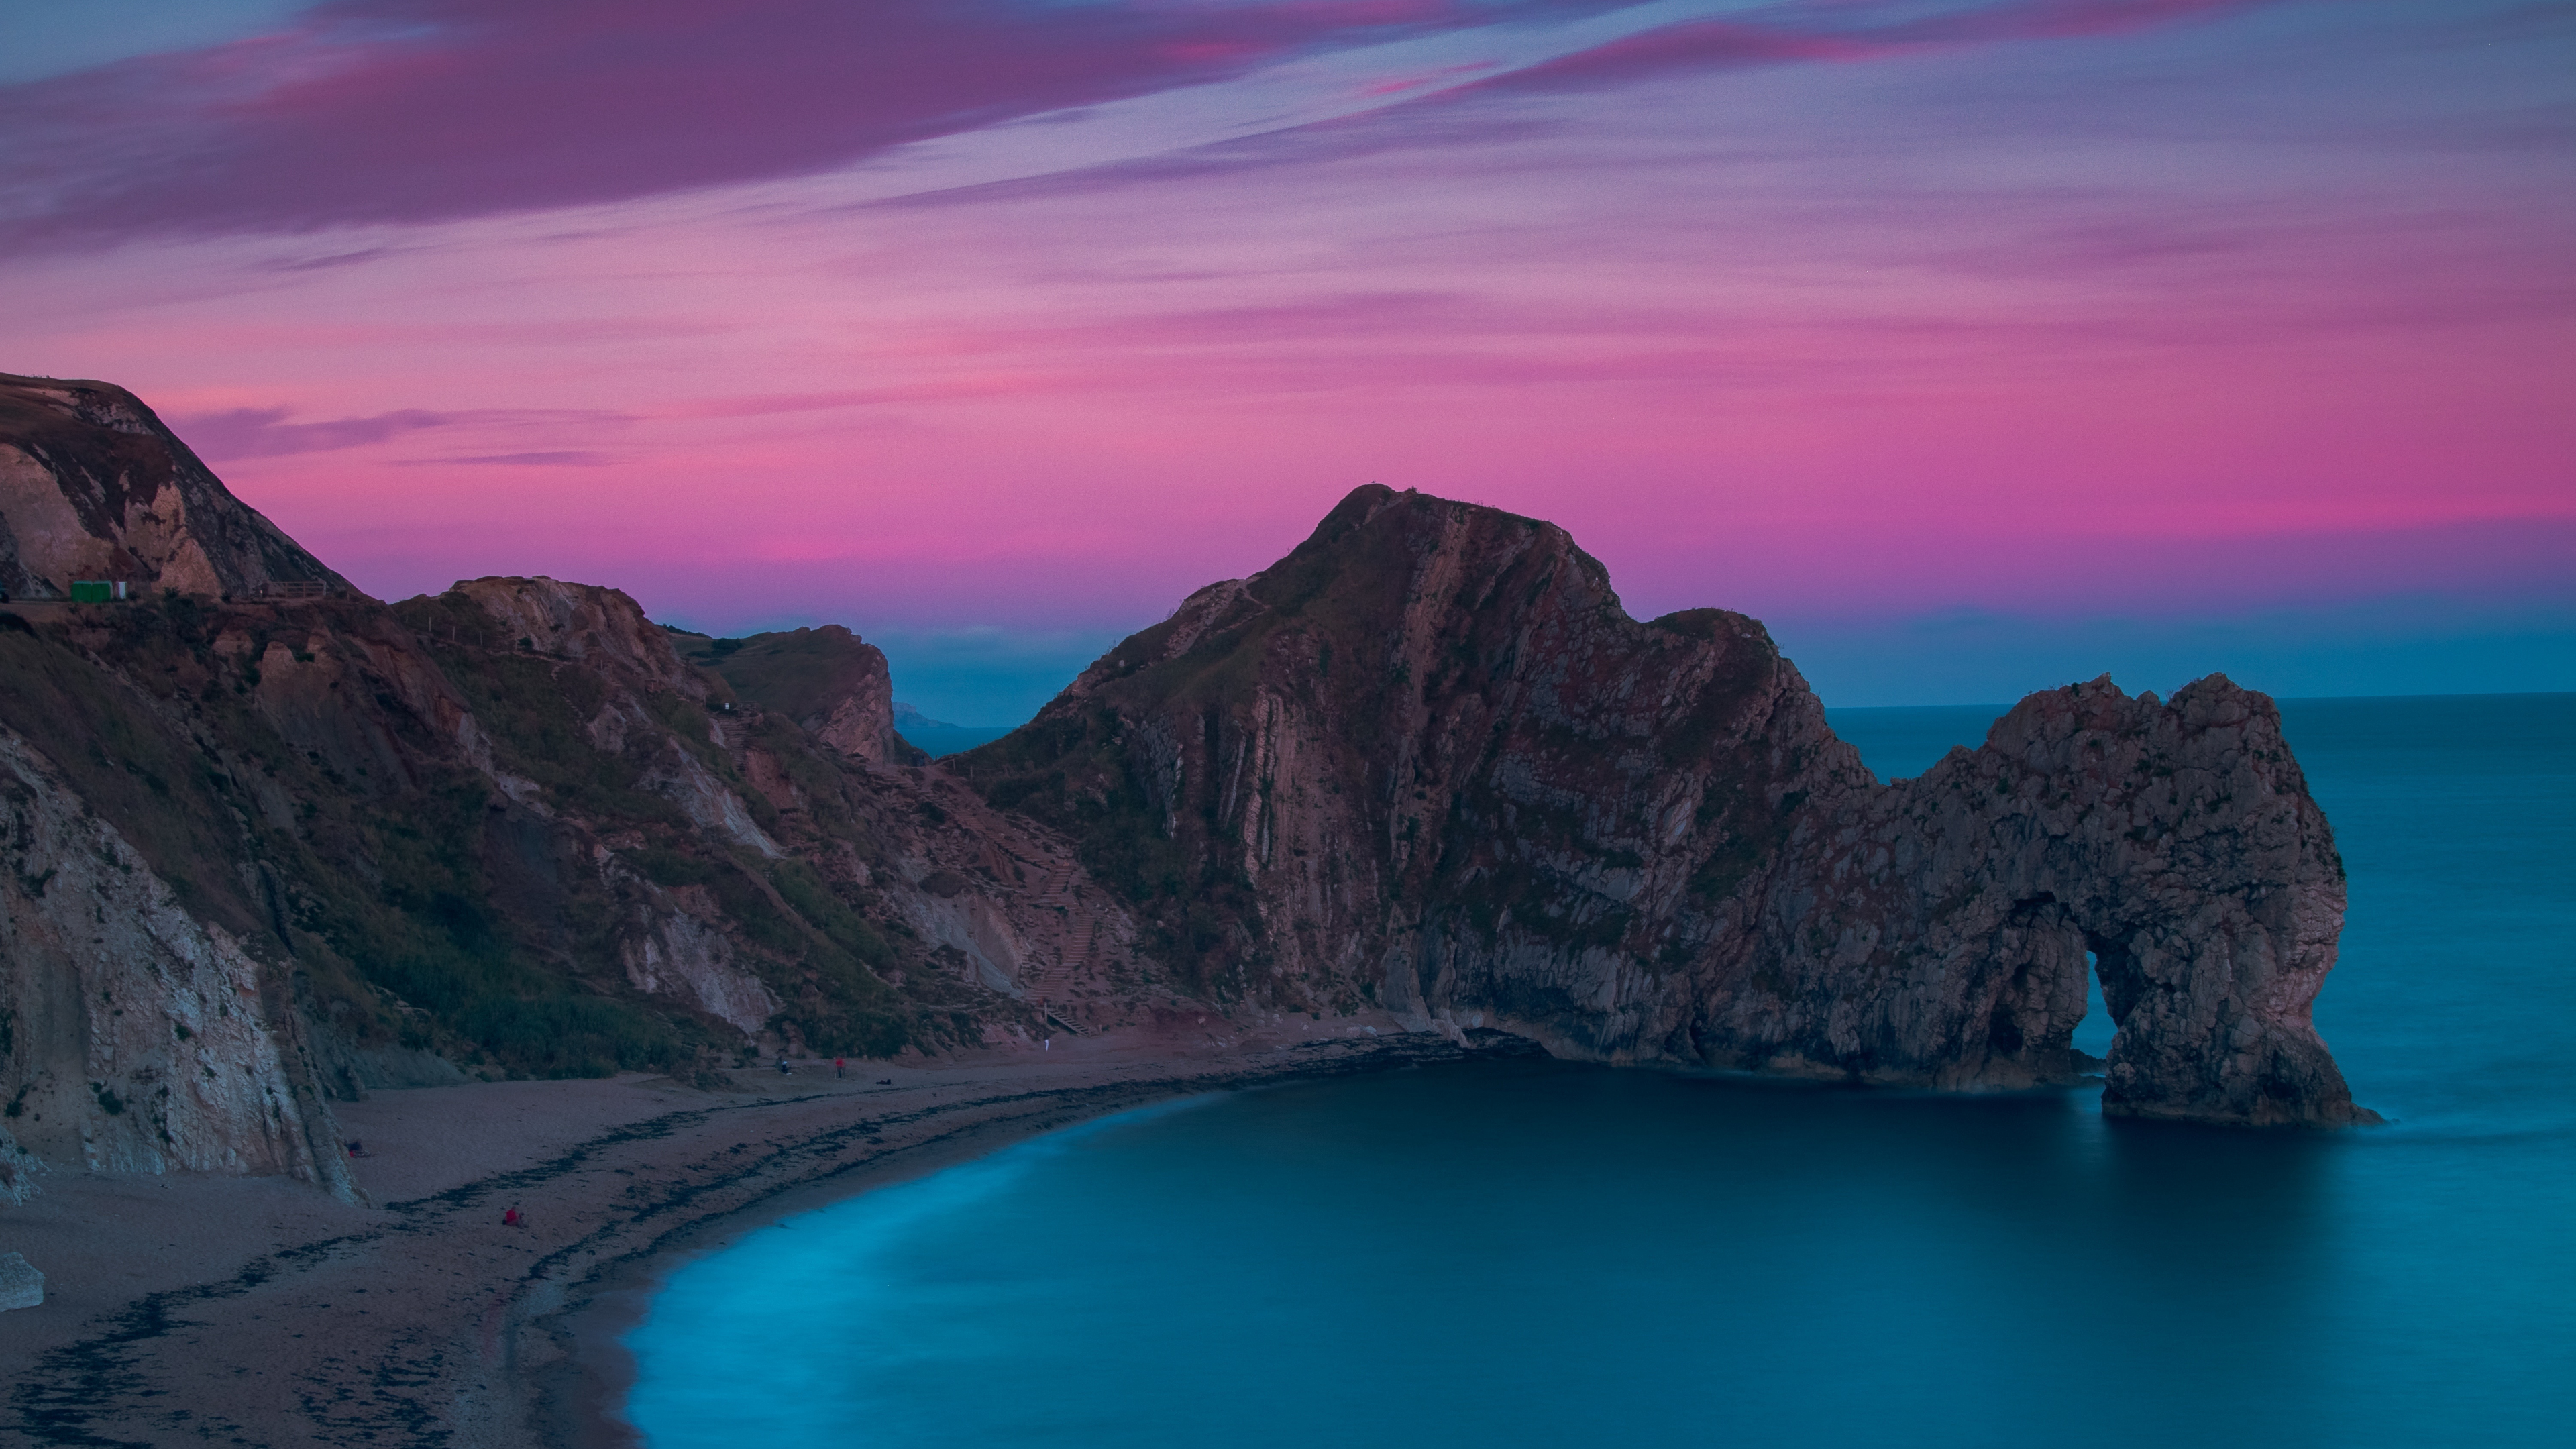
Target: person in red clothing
(511,1219)
(837,1065)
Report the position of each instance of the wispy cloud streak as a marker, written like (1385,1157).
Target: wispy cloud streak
(425,110)
(243,433)
(265,433)
(1823,31)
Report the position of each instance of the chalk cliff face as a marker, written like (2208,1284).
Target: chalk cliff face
(139,1039)
(1428,760)
(92,486)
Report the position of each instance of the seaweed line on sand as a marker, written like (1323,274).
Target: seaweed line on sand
(93,1391)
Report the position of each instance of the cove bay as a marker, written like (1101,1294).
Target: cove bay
(1519,1251)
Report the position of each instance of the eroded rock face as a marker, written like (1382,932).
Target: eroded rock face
(92,486)
(600,627)
(1427,759)
(2177,843)
(686,956)
(134,1038)
(828,680)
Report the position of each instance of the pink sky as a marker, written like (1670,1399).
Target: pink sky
(2165,334)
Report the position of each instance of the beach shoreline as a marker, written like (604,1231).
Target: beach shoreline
(577,1400)
(261,1310)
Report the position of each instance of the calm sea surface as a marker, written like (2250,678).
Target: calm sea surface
(1542,1254)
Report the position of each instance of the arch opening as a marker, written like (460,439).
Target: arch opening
(2093,1034)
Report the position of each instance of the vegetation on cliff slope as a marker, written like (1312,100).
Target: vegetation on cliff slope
(301,802)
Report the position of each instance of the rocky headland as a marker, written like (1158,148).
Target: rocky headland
(1428,762)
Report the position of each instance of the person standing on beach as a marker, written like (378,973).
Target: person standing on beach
(838,1067)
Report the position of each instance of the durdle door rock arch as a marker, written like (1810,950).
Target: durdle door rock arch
(2176,842)
(1428,761)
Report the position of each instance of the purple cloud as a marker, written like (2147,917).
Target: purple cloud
(422,110)
(1840,30)
(570,458)
(1439,110)
(265,433)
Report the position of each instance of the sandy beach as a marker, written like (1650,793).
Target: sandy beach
(189,1309)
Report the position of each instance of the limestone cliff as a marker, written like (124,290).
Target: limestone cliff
(2174,842)
(1428,760)
(92,486)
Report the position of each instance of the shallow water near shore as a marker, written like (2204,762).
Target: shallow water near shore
(1527,1252)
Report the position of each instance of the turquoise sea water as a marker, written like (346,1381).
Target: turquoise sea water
(941,741)
(1534,1253)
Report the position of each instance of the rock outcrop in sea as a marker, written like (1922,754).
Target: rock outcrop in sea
(1427,761)
(269,847)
